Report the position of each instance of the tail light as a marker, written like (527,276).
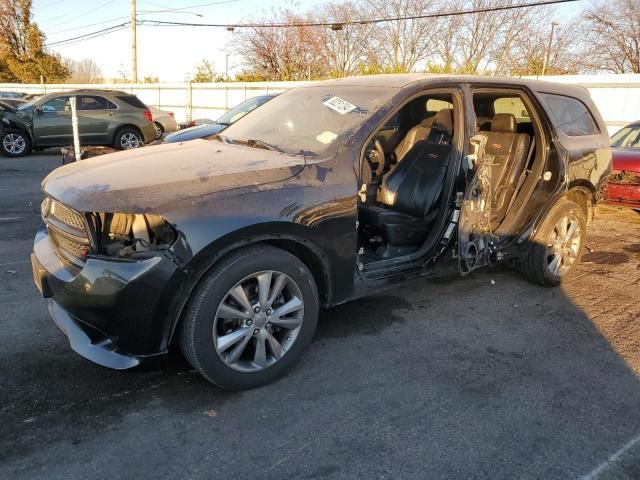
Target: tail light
(171,114)
(147,115)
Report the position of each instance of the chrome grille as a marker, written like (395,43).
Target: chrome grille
(69,245)
(67,230)
(66,216)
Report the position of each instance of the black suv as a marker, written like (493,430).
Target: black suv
(228,247)
(111,118)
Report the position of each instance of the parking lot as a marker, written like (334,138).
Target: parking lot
(486,376)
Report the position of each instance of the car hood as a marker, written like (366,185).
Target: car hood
(192,133)
(142,180)
(627,160)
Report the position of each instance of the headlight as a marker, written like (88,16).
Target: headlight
(132,235)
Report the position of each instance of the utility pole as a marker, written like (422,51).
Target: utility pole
(134,48)
(547,55)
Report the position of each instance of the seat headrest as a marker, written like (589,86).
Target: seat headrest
(504,123)
(443,120)
(427,122)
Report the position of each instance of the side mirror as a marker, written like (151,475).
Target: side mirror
(38,110)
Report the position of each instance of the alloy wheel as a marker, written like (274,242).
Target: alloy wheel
(258,321)
(158,130)
(563,245)
(14,143)
(130,140)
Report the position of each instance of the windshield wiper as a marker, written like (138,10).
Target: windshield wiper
(267,146)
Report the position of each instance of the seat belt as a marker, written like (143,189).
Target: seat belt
(523,175)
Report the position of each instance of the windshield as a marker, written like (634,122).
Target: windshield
(28,105)
(309,121)
(240,110)
(628,137)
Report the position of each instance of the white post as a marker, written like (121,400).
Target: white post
(74,125)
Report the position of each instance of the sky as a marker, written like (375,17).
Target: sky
(170,53)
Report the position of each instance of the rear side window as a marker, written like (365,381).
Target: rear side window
(95,103)
(133,101)
(512,105)
(571,116)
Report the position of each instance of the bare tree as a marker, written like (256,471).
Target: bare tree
(528,52)
(83,71)
(288,53)
(401,44)
(612,30)
(346,44)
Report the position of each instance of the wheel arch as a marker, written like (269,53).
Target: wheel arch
(119,128)
(315,259)
(583,194)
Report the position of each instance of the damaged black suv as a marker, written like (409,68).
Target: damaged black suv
(227,247)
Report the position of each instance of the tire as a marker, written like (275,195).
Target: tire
(205,322)
(15,143)
(159,130)
(541,265)
(127,138)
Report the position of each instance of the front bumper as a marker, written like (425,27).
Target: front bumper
(115,313)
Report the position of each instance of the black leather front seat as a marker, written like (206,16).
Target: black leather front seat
(410,192)
(510,151)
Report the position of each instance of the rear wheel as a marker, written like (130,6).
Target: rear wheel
(128,138)
(251,318)
(15,143)
(557,247)
(159,130)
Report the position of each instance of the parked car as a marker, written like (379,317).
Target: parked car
(194,123)
(623,185)
(233,115)
(228,247)
(14,131)
(163,122)
(14,95)
(109,118)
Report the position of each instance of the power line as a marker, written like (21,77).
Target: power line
(450,13)
(169,9)
(97,33)
(140,13)
(335,25)
(81,15)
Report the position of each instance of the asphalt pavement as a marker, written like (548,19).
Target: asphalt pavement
(486,376)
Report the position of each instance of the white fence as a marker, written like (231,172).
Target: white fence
(617,96)
(186,100)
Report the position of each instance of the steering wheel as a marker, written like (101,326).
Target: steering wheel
(376,158)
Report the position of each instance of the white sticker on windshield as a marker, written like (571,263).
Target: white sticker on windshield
(339,105)
(326,137)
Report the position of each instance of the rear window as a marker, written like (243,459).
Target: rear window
(628,137)
(571,116)
(132,100)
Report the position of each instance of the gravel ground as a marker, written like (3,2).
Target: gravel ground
(482,377)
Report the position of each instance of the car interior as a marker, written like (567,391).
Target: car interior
(407,162)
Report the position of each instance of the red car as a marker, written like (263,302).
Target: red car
(623,184)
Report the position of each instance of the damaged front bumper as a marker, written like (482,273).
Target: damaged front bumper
(115,313)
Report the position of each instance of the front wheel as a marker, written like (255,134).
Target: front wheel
(557,247)
(251,318)
(128,138)
(15,143)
